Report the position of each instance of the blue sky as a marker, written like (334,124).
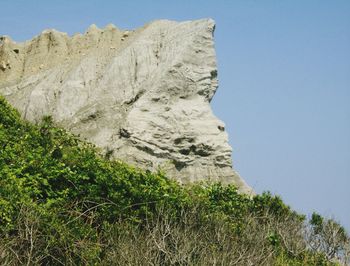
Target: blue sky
(284,83)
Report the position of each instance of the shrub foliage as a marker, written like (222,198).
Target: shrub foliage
(62,203)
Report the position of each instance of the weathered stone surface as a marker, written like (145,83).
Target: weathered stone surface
(143,96)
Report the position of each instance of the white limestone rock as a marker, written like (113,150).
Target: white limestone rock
(143,96)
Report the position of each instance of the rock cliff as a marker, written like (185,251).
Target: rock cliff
(142,96)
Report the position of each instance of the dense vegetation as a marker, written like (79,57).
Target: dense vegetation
(63,203)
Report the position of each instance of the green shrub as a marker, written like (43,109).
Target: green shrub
(62,203)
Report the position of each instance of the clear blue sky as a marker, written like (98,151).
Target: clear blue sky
(284,76)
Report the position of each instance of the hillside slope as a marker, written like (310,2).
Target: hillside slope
(62,203)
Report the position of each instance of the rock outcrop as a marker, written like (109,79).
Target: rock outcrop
(143,96)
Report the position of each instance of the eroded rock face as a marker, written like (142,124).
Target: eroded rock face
(143,96)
